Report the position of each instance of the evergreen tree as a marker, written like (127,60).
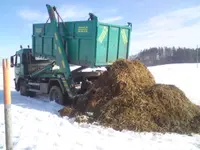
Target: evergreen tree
(167,55)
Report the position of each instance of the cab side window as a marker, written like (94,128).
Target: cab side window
(17,60)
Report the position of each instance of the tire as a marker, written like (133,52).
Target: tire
(23,90)
(31,94)
(56,94)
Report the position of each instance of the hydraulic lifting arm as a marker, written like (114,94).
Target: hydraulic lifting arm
(61,56)
(40,71)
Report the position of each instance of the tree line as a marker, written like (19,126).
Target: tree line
(167,55)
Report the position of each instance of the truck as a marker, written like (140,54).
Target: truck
(57,45)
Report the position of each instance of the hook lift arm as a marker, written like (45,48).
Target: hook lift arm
(61,56)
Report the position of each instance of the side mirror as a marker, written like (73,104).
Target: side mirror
(11,61)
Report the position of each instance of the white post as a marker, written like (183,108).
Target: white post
(7,104)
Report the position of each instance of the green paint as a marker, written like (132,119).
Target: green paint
(60,54)
(86,43)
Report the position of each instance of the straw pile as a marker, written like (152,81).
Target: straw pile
(124,77)
(160,108)
(127,97)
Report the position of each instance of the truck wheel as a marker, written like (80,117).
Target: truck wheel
(31,94)
(56,94)
(22,89)
(24,92)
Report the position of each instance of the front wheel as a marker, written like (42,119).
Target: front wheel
(56,94)
(23,90)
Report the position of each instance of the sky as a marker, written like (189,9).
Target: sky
(155,22)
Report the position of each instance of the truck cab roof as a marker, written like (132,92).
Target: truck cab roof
(23,50)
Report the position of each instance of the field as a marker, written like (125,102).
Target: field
(37,125)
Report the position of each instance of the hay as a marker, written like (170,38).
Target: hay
(123,77)
(160,108)
(73,113)
(68,111)
(172,111)
(127,97)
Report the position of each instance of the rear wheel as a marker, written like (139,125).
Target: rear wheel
(56,94)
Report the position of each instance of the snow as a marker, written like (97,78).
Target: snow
(36,124)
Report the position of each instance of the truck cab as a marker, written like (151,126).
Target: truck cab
(20,63)
(25,66)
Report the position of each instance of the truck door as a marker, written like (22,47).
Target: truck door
(18,68)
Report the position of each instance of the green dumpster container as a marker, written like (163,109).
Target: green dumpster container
(87,43)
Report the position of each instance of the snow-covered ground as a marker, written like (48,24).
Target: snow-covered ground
(37,126)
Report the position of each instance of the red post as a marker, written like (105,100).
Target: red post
(7,104)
